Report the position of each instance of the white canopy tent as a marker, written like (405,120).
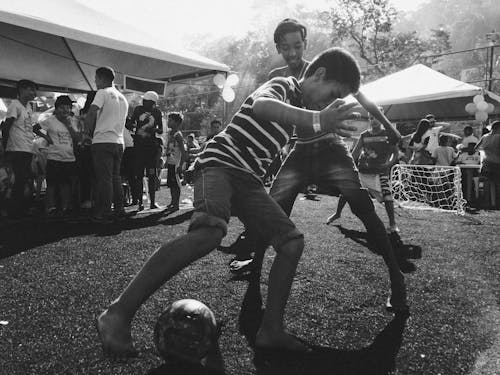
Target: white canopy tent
(59,44)
(412,93)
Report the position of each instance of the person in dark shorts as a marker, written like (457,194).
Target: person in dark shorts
(146,120)
(176,159)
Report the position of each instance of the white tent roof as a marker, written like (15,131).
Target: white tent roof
(412,93)
(60,43)
(417,83)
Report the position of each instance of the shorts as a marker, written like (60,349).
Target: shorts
(491,171)
(378,185)
(220,193)
(173,179)
(145,159)
(60,171)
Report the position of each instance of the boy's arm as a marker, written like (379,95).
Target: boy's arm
(37,130)
(180,144)
(7,123)
(373,109)
(329,119)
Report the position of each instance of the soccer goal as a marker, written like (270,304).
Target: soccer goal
(428,187)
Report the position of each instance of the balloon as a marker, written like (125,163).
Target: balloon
(228,94)
(482,106)
(481,116)
(232,80)
(478,98)
(470,108)
(219,80)
(491,108)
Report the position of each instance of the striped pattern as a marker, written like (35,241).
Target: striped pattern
(248,143)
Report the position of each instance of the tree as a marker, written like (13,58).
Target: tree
(366,27)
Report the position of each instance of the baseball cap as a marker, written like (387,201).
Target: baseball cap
(150,95)
(62,100)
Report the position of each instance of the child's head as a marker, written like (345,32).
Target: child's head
(332,74)
(468,131)
(290,40)
(174,120)
(443,140)
(104,77)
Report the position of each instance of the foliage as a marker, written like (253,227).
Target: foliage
(366,27)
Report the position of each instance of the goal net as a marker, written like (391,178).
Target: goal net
(428,187)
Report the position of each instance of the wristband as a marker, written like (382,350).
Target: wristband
(316,122)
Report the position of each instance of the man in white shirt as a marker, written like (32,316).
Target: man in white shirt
(19,123)
(105,120)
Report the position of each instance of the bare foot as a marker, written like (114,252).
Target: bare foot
(332,218)
(115,335)
(279,340)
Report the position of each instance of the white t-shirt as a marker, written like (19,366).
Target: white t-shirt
(62,149)
(111,117)
(21,132)
(469,139)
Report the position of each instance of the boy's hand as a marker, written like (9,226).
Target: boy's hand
(332,117)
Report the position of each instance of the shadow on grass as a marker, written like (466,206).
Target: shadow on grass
(375,359)
(28,234)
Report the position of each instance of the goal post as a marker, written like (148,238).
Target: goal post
(428,187)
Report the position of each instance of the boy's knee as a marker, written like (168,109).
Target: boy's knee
(292,245)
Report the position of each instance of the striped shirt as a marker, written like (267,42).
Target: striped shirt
(249,143)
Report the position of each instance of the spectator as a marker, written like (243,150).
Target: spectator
(468,137)
(418,144)
(432,120)
(215,128)
(105,120)
(19,131)
(61,167)
(146,120)
(176,159)
(489,145)
(192,149)
(469,155)
(443,154)
(127,170)
(83,155)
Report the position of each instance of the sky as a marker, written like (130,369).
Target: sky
(178,20)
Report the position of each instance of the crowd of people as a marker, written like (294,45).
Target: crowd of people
(93,160)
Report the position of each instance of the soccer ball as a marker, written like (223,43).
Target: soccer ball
(187,329)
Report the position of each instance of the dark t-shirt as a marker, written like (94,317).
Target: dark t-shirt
(141,117)
(378,152)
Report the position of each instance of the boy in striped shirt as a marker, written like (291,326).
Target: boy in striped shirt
(228,182)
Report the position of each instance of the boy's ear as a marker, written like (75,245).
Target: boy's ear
(319,74)
(278,48)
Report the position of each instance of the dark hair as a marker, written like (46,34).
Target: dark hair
(340,66)
(106,73)
(422,127)
(468,130)
(176,116)
(215,122)
(443,140)
(24,84)
(289,25)
(430,116)
(495,125)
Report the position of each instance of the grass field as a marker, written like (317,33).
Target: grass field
(56,277)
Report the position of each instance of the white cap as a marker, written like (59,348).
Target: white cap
(150,95)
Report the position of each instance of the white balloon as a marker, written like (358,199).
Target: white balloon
(232,80)
(470,108)
(482,106)
(481,116)
(478,98)
(228,94)
(491,108)
(219,80)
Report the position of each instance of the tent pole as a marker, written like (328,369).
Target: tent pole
(76,62)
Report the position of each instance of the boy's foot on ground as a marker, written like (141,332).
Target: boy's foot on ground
(141,207)
(332,218)
(279,341)
(172,208)
(154,206)
(115,336)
